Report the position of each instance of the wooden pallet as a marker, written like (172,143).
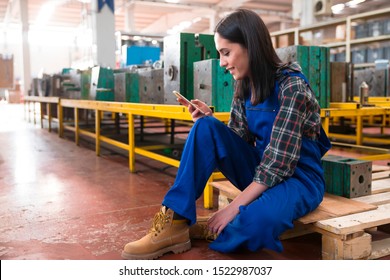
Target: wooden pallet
(346,225)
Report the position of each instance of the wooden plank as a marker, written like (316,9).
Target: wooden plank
(379,168)
(375,199)
(380,175)
(380,186)
(299,229)
(356,222)
(228,188)
(331,206)
(380,248)
(356,248)
(335,206)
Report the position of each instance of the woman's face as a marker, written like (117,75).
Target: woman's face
(233,57)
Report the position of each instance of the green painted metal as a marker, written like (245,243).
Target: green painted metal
(315,65)
(132,87)
(347,177)
(85,83)
(213,84)
(180,52)
(102,84)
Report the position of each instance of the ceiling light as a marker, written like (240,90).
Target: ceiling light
(172,1)
(354,3)
(45,13)
(336,9)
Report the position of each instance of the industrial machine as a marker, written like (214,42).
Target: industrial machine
(315,66)
(213,84)
(180,53)
(347,177)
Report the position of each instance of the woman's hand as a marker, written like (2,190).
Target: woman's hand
(196,113)
(219,220)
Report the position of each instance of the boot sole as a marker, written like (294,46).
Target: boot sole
(176,249)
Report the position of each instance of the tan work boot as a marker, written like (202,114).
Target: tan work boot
(166,235)
(200,230)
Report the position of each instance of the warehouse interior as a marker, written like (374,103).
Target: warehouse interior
(91,135)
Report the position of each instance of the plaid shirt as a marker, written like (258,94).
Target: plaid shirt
(298,116)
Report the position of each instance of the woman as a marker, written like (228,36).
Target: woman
(271,149)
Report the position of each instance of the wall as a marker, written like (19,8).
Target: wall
(50,51)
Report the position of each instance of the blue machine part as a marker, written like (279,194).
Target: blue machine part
(138,55)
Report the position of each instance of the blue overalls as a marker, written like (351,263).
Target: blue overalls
(211,144)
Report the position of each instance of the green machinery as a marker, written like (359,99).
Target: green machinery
(213,84)
(315,65)
(126,86)
(102,84)
(347,177)
(180,53)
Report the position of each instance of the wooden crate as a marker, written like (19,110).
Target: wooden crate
(346,225)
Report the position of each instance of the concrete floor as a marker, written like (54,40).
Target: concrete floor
(60,201)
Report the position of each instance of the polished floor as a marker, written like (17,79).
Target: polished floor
(61,201)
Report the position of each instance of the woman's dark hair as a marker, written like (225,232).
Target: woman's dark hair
(246,28)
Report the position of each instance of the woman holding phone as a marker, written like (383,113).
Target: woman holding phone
(271,150)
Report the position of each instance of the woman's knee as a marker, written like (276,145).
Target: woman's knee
(207,122)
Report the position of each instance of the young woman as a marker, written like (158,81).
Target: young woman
(271,149)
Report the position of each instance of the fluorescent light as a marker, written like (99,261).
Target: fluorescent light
(336,9)
(354,3)
(45,13)
(172,1)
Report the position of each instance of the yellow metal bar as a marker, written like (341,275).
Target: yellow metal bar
(49,115)
(167,160)
(69,127)
(325,125)
(97,131)
(359,131)
(377,140)
(130,120)
(375,157)
(344,105)
(141,109)
(208,195)
(76,125)
(114,142)
(60,120)
(87,133)
(155,147)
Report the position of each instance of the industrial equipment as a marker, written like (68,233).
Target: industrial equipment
(347,177)
(315,65)
(180,53)
(213,84)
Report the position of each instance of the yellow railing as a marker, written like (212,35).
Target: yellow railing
(180,113)
(171,112)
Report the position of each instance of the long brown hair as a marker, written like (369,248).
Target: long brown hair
(246,28)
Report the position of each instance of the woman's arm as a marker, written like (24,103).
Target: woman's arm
(222,217)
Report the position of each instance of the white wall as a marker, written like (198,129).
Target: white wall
(50,50)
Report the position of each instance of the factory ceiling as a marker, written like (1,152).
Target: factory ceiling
(159,17)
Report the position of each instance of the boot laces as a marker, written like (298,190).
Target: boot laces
(159,220)
(207,234)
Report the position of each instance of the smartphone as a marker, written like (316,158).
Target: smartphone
(187,102)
